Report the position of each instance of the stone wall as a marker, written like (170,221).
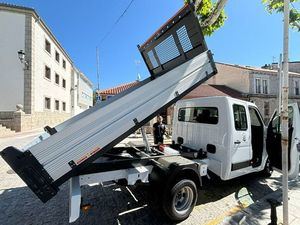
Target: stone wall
(37,120)
(23,122)
(6,115)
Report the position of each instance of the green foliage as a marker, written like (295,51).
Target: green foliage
(204,11)
(277,6)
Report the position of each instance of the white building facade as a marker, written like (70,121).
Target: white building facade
(47,85)
(81,93)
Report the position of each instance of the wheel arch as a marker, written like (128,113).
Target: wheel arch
(186,173)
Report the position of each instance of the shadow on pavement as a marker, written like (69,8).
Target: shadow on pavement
(253,184)
(112,204)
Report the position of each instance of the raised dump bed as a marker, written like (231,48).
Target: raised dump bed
(178,60)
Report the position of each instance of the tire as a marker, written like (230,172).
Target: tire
(268,170)
(179,201)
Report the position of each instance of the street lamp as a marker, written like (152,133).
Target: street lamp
(21,55)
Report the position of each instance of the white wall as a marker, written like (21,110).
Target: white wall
(82,94)
(85,93)
(45,87)
(12,39)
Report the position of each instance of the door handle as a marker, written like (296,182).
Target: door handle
(237,142)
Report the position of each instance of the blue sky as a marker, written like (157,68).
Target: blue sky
(250,35)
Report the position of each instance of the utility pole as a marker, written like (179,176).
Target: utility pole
(284,113)
(97,58)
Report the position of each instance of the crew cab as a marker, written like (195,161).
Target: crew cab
(231,134)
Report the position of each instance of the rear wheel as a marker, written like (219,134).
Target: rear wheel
(179,202)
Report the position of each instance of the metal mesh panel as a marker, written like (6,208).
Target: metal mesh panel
(174,43)
(167,50)
(184,39)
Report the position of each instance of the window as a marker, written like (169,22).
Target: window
(56,78)
(258,85)
(56,56)
(267,109)
(64,63)
(296,83)
(64,83)
(86,96)
(47,103)
(240,118)
(208,115)
(64,106)
(275,123)
(255,119)
(265,86)
(56,105)
(48,72)
(47,46)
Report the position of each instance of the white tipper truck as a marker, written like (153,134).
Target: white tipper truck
(83,149)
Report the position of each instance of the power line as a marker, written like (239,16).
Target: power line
(106,35)
(116,22)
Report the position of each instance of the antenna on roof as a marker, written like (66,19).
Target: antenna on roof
(137,64)
(98,96)
(97,60)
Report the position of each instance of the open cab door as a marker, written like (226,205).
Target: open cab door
(273,141)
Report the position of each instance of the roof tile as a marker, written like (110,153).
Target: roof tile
(118,89)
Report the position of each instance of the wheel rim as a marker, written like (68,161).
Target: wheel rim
(183,200)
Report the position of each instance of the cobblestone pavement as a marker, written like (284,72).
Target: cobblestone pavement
(114,204)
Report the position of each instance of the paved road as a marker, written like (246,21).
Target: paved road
(114,204)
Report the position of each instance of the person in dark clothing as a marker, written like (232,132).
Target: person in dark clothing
(159,130)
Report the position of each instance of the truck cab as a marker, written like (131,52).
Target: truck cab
(231,135)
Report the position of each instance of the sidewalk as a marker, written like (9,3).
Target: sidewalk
(259,212)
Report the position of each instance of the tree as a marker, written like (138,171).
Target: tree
(211,14)
(277,7)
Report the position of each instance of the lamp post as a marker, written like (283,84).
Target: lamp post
(21,55)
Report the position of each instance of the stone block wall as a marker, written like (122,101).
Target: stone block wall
(6,115)
(23,122)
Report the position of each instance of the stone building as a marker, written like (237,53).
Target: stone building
(36,73)
(258,85)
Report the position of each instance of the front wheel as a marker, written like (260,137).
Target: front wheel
(179,202)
